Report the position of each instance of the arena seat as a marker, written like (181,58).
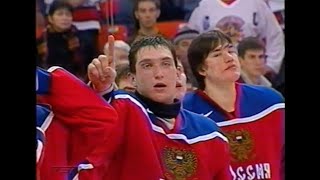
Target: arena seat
(119,32)
(170,28)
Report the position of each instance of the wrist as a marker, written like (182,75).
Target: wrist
(106,90)
(102,90)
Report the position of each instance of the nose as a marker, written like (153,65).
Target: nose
(227,57)
(158,72)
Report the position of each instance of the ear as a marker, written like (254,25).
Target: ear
(158,13)
(241,60)
(134,82)
(201,70)
(179,74)
(50,19)
(136,15)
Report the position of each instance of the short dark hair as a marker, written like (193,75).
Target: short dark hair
(136,4)
(250,43)
(59,4)
(153,41)
(200,48)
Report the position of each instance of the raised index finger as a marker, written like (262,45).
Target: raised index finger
(111,60)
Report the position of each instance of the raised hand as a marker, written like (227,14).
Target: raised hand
(101,71)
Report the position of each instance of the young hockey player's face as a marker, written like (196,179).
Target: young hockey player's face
(221,64)
(156,74)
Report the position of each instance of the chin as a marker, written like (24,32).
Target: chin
(233,77)
(165,99)
(180,95)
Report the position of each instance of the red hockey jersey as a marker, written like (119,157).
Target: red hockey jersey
(43,121)
(194,149)
(78,136)
(255,130)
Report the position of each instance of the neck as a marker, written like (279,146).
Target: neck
(252,78)
(224,94)
(148,31)
(57,29)
(160,109)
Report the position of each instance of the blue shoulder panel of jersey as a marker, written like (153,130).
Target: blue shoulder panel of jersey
(43,113)
(193,102)
(42,81)
(255,99)
(252,100)
(195,125)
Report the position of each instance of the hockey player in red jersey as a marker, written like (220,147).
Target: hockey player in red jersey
(160,140)
(78,136)
(252,117)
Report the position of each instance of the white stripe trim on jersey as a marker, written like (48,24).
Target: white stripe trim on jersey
(37,82)
(252,118)
(41,130)
(82,167)
(39,150)
(53,68)
(46,123)
(76,177)
(199,138)
(171,136)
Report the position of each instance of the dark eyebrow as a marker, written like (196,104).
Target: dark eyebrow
(144,61)
(166,58)
(228,45)
(149,60)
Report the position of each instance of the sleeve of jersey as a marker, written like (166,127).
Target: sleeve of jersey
(44,118)
(78,106)
(273,34)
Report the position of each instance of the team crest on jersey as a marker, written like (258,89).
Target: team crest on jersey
(241,145)
(232,26)
(180,164)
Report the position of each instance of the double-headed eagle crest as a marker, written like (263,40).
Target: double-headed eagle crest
(180,164)
(241,145)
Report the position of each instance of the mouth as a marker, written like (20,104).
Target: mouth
(160,85)
(178,85)
(231,67)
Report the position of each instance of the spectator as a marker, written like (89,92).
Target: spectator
(63,43)
(182,41)
(146,13)
(240,19)
(251,52)
(124,79)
